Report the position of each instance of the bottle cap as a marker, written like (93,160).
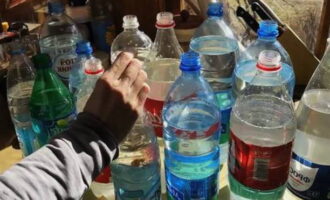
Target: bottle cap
(5,26)
(215,9)
(55,7)
(130,21)
(269,60)
(93,66)
(190,61)
(165,20)
(42,60)
(268,29)
(84,47)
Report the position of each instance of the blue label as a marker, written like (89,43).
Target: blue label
(46,129)
(202,189)
(309,180)
(224,101)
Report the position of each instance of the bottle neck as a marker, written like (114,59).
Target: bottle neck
(131,29)
(267,39)
(264,73)
(215,17)
(192,74)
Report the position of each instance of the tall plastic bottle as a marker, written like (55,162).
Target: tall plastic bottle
(162,69)
(132,40)
(262,132)
(93,70)
(51,105)
(310,164)
(20,79)
(84,51)
(136,172)
(267,40)
(219,51)
(58,38)
(191,135)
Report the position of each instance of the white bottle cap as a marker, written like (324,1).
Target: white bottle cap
(93,66)
(130,21)
(165,20)
(269,60)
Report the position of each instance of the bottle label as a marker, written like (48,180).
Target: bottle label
(154,115)
(153,194)
(202,189)
(63,64)
(308,180)
(262,168)
(224,102)
(46,129)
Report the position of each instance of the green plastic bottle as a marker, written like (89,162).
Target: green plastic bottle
(51,105)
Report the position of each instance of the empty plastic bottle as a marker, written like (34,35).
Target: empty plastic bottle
(84,51)
(310,164)
(267,40)
(59,36)
(262,132)
(20,79)
(136,172)
(51,105)
(191,135)
(93,69)
(131,40)
(162,69)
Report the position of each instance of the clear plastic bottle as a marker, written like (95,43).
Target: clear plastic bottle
(136,172)
(262,132)
(162,69)
(191,135)
(84,51)
(58,38)
(219,49)
(93,70)
(20,79)
(131,40)
(310,164)
(267,40)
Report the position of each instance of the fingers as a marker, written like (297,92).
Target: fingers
(143,93)
(119,66)
(131,73)
(138,83)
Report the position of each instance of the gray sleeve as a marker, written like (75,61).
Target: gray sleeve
(64,168)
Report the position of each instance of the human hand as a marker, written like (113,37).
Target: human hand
(119,95)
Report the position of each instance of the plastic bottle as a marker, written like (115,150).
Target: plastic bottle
(51,105)
(310,164)
(136,172)
(84,51)
(162,69)
(20,79)
(93,69)
(219,49)
(131,40)
(59,36)
(191,135)
(262,132)
(267,40)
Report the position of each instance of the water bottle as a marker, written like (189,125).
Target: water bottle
(191,135)
(131,40)
(93,70)
(84,51)
(245,70)
(20,80)
(310,164)
(58,38)
(218,57)
(262,131)
(51,104)
(136,172)
(162,69)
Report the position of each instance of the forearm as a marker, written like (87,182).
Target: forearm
(64,168)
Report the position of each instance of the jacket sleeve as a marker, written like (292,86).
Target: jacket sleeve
(64,168)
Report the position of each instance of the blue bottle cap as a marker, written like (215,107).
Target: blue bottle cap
(268,29)
(190,61)
(215,10)
(84,47)
(55,7)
